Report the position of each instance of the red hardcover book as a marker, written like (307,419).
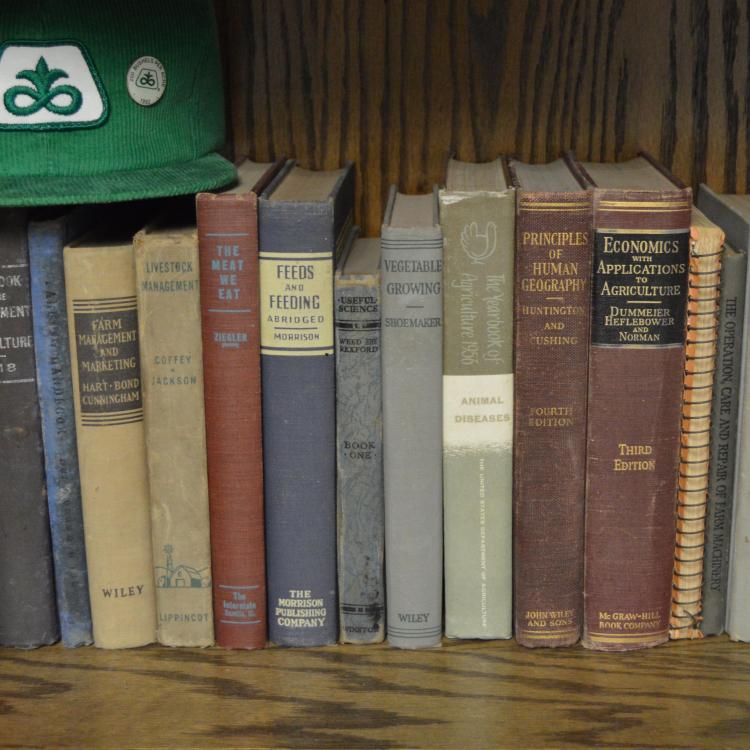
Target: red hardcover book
(552,318)
(228,242)
(641,246)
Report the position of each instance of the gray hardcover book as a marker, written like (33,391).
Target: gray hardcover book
(732,214)
(359,444)
(477,215)
(412,320)
(28,616)
(738,583)
(723,439)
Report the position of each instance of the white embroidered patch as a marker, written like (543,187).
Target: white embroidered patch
(47,86)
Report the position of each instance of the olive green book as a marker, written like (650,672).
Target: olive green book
(477,214)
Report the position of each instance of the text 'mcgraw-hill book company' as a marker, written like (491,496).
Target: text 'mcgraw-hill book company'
(106,373)
(477,214)
(230,296)
(552,321)
(412,341)
(48,234)
(28,616)
(305,222)
(359,444)
(169,334)
(641,249)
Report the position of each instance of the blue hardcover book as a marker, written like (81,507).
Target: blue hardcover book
(46,238)
(305,219)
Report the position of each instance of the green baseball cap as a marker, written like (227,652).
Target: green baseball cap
(109,100)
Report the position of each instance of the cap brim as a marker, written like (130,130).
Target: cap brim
(206,173)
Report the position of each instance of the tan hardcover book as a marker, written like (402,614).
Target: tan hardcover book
(706,250)
(169,328)
(103,331)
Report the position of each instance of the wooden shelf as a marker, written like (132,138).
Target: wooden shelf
(463,695)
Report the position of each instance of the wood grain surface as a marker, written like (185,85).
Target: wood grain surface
(463,695)
(395,85)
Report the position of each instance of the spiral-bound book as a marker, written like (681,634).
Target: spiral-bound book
(722,210)
(706,250)
(730,501)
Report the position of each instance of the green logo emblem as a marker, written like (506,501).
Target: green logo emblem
(43,93)
(147,79)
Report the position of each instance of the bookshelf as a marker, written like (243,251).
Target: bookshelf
(395,86)
(467,695)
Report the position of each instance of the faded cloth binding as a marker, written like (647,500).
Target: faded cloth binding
(706,249)
(231,368)
(635,393)
(550,420)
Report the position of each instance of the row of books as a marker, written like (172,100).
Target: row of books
(497,419)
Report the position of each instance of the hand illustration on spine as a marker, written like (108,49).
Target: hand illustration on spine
(479,246)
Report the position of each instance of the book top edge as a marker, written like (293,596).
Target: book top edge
(463,176)
(297,185)
(362,260)
(635,174)
(411,212)
(553,177)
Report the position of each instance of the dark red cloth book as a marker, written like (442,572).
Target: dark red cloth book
(228,241)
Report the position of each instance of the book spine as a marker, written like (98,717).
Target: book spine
(299,420)
(706,249)
(412,305)
(635,387)
(359,446)
(478,239)
(228,242)
(169,335)
(738,584)
(723,441)
(552,323)
(28,616)
(52,353)
(103,331)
